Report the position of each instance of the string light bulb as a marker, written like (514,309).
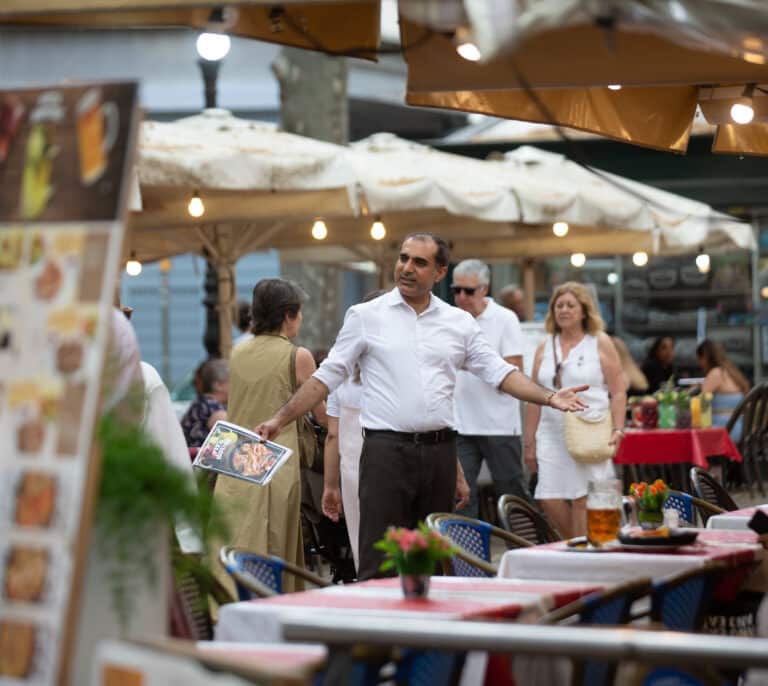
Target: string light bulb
(319,230)
(614,86)
(578,259)
(640,259)
(213,47)
(702,262)
(378,230)
(196,208)
(133,266)
(742,111)
(560,229)
(465,45)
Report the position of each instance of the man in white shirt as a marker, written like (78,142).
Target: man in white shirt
(410,345)
(488,421)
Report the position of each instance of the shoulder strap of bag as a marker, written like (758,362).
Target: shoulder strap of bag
(556,378)
(294,385)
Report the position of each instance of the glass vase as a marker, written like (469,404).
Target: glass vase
(415,585)
(650,519)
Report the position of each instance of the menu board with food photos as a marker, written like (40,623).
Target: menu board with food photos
(65,155)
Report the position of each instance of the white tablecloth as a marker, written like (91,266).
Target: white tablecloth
(736,521)
(557,561)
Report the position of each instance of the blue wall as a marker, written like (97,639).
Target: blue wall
(185,312)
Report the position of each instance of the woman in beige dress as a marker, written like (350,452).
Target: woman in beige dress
(266,519)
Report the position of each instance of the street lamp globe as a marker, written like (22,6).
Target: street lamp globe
(213,47)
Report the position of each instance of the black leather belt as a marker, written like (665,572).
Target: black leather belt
(439,436)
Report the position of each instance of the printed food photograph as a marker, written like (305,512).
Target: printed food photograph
(26,570)
(35,499)
(253,459)
(17,648)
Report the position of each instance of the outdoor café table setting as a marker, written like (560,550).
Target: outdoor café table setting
(450,598)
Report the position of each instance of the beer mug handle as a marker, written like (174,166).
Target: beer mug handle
(111,124)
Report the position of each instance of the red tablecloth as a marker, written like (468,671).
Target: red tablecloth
(671,446)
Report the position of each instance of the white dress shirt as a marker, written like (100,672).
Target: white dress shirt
(481,409)
(409,361)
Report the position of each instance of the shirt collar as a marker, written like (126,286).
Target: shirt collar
(394,297)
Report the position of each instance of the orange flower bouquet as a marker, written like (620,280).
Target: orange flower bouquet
(650,499)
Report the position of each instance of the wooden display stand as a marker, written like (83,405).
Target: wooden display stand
(65,159)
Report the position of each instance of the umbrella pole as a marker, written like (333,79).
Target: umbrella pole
(226,271)
(529,288)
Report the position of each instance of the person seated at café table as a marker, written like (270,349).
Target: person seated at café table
(659,365)
(211,403)
(725,381)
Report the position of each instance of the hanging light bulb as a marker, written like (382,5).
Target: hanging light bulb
(213,46)
(133,266)
(578,259)
(612,278)
(465,45)
(614,86)
(196,207)
(702,262)
(742,111)
(560,229)
(378,230)
(640,259)
(319,230)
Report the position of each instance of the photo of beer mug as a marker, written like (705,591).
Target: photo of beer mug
(36,186)
(97,128)
(603,511)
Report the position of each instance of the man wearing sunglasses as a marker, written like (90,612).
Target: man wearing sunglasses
(409,346)
(487,419)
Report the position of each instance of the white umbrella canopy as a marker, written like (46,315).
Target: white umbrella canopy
(263,188)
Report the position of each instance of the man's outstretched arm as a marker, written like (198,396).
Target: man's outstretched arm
(302,401)
(520,386)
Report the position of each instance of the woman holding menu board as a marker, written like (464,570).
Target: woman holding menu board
(266,519)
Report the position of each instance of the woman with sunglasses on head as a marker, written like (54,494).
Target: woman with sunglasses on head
(576,351)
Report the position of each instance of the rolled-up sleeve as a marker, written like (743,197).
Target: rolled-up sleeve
(483,361)
(344,354)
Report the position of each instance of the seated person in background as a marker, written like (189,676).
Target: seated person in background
(659,366)
(725,381)
(210,405)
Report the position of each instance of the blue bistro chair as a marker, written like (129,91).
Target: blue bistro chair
(473,538)
(690,507)
(680,602)
(609,607)
(266,570)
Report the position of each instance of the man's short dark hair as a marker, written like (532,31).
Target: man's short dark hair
(244,315)
(443,253)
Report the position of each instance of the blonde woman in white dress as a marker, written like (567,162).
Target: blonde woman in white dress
(576,351)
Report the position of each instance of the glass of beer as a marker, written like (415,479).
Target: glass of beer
(603,511)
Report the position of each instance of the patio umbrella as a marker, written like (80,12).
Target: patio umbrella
(251,178)
(263,188)
(341,28)
(568,62)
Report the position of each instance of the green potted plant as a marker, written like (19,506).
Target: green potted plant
(413,553)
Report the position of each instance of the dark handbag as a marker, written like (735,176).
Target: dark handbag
(310,434)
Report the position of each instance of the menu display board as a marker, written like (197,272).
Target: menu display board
(64,156)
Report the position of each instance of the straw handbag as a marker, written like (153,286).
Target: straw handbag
(587,439)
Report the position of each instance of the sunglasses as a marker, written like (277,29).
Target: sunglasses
(458,289)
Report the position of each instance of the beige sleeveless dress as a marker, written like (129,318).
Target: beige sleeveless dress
(263,519)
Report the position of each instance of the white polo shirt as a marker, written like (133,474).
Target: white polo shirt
(409,361)
(481,409)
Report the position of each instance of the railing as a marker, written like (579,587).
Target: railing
(613,644)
